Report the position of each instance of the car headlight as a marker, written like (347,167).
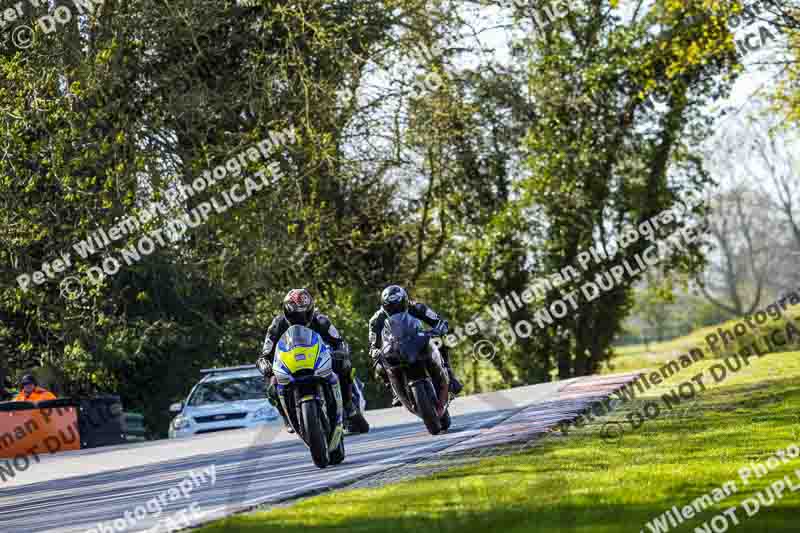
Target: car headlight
(265,413)
(181,422)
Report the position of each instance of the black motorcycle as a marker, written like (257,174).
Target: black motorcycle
(416,370)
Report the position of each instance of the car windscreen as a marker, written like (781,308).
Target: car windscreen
(228,390)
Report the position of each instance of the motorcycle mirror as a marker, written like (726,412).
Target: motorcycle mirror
(176,407)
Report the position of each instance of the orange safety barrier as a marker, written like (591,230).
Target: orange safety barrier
(39,431)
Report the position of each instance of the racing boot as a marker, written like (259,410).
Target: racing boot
(380,373)
(455,386)
(350,412)
(354,420)
(395,400)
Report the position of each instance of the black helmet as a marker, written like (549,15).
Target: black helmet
(394,300)
(27,379)
(298,307)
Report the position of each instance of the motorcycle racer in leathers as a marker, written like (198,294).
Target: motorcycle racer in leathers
(299,309)
(394,299)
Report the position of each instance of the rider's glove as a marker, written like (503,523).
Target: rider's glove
(342,352)
(439,330)
(264,366)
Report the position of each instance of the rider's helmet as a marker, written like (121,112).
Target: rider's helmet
(298,307)
(394,299)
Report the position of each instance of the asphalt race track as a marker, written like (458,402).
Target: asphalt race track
(78,491)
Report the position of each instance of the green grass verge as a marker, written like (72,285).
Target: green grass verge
(584,483)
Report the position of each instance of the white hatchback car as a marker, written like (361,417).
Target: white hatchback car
(224,399)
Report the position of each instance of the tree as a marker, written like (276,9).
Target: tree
(600,160)
(785,17)
(140,98)
(753,226)
(742,236)
(773,162)
(652,303)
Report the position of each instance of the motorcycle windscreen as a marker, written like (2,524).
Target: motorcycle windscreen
(403,333)
(297,336)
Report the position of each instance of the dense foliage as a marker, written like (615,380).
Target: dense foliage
(412,162)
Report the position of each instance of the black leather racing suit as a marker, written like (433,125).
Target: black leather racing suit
(341,352)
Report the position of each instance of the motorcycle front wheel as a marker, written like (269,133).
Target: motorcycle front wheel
(315,436)
(426,405)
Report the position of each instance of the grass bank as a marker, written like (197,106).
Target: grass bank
(637,357)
